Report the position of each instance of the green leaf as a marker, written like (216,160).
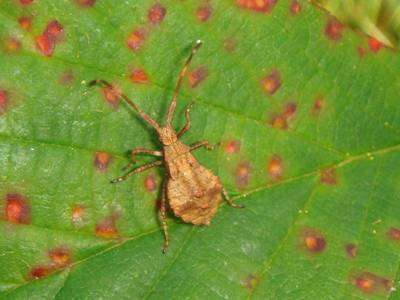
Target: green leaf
(307,117)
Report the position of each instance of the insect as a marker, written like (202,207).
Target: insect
(192,191)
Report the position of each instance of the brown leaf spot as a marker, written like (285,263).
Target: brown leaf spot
(18,210)
(60,257)
(112,95)
(295,7)
(279,122)
(289,110)
(197,76)
(361,51)
(102,160)
(275,167)
(25,2)
(156,14)
(328,176)
(230,45)
(232,146)
(250,281)
(263,6)
(25,22)
(45,44)
(85,3)
(351,250)
(107,227)
(204,12)
(370,283)
(136,39)
(78,214)
(67,78)
(272,82)
(12,45)
(3,100)
(314,241)
(150,183)
(39,272)
(394,233)
(139,76)
(334,29)
(375,45)
(243,174)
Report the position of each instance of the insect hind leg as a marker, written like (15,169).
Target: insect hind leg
(163,217)
(230,201)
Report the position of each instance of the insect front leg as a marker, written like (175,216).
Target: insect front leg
(205,144)
(137,151)
(188,123)
(163,217)
(229,200)
(137,170)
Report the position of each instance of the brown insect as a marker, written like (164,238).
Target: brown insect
(193,191)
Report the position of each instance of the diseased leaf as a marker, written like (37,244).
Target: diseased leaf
(307,118)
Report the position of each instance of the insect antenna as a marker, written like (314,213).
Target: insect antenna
(172,107)
(144,115)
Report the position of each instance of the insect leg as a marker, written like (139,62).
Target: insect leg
(137,151)
(200,144)
(188,123)
(229,200)
(138,170)
(163,215)
(144,116)
(172,106)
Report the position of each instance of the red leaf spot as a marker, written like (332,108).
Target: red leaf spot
(328,176)
(86,3)
(370,283)
(264,6)
(54,30)
(40,272)
(112,95)
(250,281)
(204,12)
(67,78)
(275,167)
(136,39)
(60,257)
(139,76)
(272,82)
(394,233)
(25,22)
(232,147)
(295,7)
(314,241)
(289,110)
(230,45)
(334,29)
(279,122)
(12,45)
(319,104)
(150,183)
(45,44)
(3,100)
(197,76)
(107,228)
(157,14)
(25,2)
(78,214)
(351,250)
(375,45)
(102,160)
(243,173)
(18,210)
